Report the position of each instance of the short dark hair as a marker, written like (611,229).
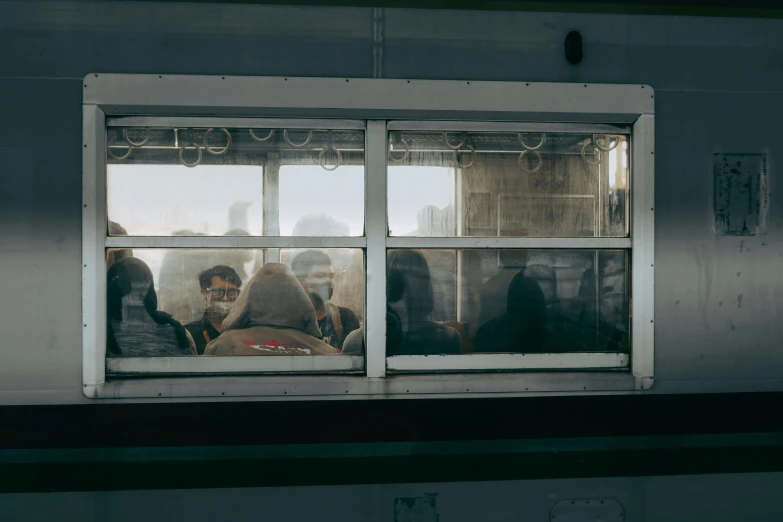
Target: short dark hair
(304,262)
(223,272)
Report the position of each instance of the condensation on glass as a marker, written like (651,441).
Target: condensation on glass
(222,302)
(507,301)
(217,181)
(507,184)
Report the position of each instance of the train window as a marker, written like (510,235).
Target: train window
(559,308)
(459,238)
(216,295)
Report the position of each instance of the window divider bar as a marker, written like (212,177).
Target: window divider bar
(234,242)
(532,127)
(376,230)
(599,243)
(507,361)
(233,123)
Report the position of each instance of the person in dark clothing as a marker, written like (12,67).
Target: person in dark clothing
(410,301)
(314,271)
(136,328)
(220,288)
(522,329)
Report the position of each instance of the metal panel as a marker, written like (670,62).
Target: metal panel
(376,229)
(511,361)
(94,227)
(643,237)
(206,365)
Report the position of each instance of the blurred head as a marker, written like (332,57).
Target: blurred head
(409,282)
(526,314)
(220,288)
(129,289)
(314,271)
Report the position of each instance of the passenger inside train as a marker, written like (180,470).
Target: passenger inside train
(273,315)
(136,328)
(410,301)
(314,271)
(522,329)
(220,287)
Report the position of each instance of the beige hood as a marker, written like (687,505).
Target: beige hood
(273,297)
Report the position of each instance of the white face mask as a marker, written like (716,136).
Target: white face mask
(221,308)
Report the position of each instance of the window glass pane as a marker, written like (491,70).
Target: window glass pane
(507,184)
(221,302)
(314,202)
(187,181)
(507,301)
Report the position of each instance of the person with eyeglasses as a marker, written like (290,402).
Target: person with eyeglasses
(220,287)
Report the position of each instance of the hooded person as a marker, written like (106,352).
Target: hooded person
(136,328)
(272,316)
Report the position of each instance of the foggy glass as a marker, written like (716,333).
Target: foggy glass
(507,301)
(214,182)
(507,184)
(176,291)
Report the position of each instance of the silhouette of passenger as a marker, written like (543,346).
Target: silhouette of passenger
(410,302)
(272,316)
(522,329)
(220,288)
(314,271)
(136,328)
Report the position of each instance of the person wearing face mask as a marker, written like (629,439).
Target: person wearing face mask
(220,288)
(314,271)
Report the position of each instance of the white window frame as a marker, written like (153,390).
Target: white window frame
(264,102)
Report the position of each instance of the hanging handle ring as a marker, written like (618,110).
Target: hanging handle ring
(305,143)
(597,154)
(528,147)
(458,145)
(322,158)
(405,154)
(606,148)
(181,155)
(133,143)
(215,151)
(539,161)
(265,138)
(126,156)
(468,149)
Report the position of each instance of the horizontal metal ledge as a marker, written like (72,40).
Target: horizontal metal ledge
(234,123)
(325,387)
(474,126)
(235,364)
(248,242)
(598,243)
(130,94)
(507,361)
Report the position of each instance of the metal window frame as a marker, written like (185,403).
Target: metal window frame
(163,100)
(129,366)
